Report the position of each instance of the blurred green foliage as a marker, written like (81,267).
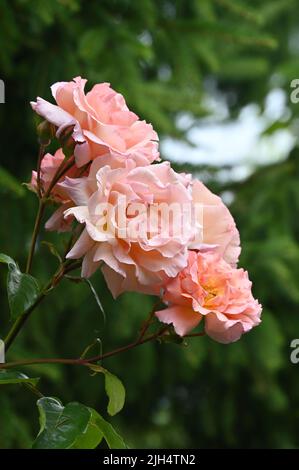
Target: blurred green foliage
(162,54)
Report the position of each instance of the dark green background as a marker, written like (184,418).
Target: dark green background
(161,55)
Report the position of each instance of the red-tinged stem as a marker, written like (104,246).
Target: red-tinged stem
(39,161)
(61,170)
(92,360)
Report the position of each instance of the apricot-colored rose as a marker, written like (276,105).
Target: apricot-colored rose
(210,288)
(101,122)
(137,255)
(219,228)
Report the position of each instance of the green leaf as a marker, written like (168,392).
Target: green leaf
(116,393)
(90,439)
(22,289)
(61,427)
(5,259)
(13,377)
(74,426)
(113,439)
(114,388)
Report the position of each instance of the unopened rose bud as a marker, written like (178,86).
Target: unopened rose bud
(46,132)
(67,142)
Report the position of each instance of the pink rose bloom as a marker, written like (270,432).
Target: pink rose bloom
(101,122)
(209,287)
(49,166)
(138,254)
(219,228)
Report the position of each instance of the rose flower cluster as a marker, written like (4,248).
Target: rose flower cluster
(148,228)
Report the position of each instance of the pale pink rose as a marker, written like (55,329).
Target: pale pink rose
(137,260)
(210,288)
(101,122)
(219,228)
(57,222)
(49,166)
